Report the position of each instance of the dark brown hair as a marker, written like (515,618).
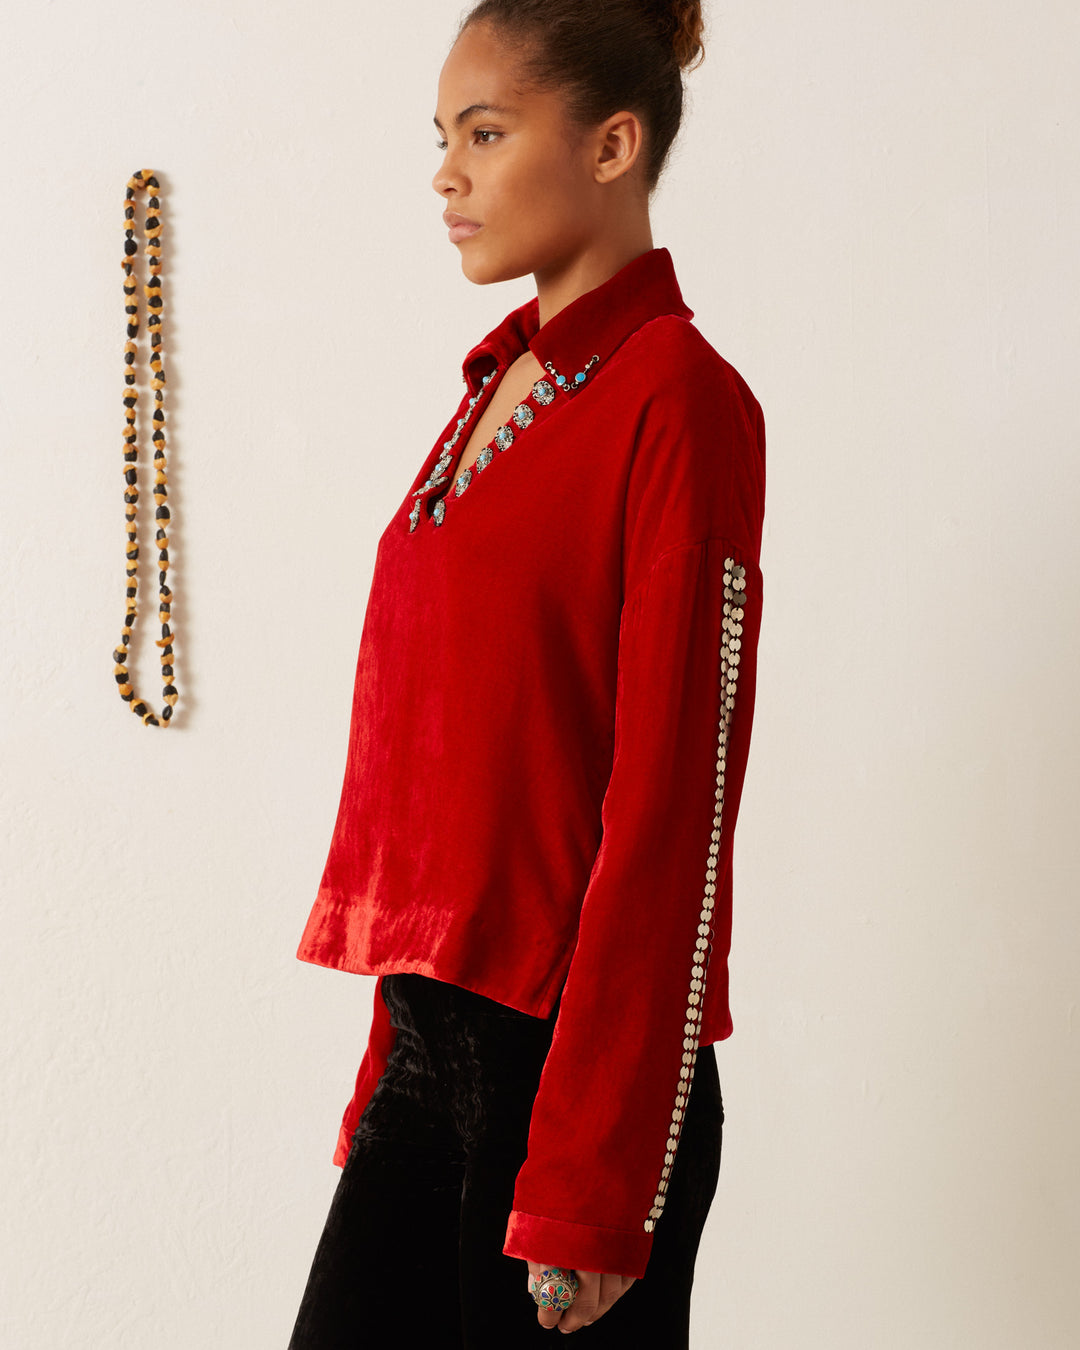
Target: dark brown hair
(606,55)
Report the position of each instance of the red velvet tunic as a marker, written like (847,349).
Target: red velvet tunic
(550,725)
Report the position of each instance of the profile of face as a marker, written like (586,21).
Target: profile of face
(512,165)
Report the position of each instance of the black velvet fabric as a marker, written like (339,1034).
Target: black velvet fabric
(411,1252)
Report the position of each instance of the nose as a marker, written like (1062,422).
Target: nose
(441,182)
(448,178)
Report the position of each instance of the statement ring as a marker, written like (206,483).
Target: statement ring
(554,1288)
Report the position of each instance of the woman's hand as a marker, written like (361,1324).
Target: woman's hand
(596,1293)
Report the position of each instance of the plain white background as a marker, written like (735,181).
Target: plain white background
(873,211)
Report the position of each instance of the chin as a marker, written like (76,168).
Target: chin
(485,272)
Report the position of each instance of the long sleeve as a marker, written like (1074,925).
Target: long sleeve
(655,924)
(605,1123)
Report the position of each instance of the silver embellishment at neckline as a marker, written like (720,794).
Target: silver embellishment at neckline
(543,395)
(438,472)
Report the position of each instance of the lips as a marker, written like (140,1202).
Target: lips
(460,226)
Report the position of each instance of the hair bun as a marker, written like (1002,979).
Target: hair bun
(683,25)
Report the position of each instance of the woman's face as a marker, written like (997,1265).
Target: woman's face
(513,167)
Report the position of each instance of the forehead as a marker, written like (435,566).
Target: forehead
(480,69)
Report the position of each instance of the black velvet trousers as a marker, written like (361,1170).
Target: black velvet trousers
(411,1253)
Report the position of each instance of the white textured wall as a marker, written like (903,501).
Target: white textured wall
(873,211)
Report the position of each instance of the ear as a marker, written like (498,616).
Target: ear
(620,140)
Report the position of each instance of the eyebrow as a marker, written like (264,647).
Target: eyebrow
(472,108)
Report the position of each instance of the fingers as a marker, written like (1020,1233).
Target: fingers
(609,1289)
(587,1288)
(584,1308)
(597,1292)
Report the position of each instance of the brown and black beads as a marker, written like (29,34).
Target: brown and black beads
(145,181)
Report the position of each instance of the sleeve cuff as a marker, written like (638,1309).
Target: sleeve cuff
(344,1142)
(577,1246)
(381,1038)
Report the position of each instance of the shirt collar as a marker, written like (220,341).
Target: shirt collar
(595,323)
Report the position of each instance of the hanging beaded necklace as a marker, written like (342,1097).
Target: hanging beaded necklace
(542,394)
(141,181)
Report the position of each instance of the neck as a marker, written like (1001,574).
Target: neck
(563,281)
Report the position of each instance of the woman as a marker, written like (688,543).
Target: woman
(551,720)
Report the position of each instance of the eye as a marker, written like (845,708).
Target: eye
(441,145)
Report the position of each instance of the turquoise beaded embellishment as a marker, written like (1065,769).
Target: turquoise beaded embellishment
(567,385)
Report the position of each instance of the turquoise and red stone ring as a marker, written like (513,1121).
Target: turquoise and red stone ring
(554,1288)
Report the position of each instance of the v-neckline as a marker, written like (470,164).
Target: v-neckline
(430,507)
(478,412)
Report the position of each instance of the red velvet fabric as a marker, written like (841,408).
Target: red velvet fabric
(531,774)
